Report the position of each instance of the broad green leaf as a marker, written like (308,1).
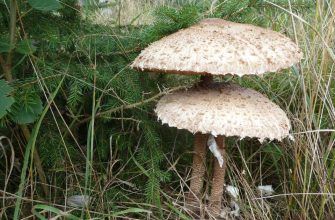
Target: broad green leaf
(45,5)
(26,47)
(6,100)
(26,110)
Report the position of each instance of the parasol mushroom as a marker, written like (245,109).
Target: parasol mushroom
(218,47)
(223,110)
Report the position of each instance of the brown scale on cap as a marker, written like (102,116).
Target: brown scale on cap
(219,47)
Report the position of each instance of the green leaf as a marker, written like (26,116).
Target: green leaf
(4,46)
(30,148)
(27,109)
(231,6)
(181,215)
(6,100)
(129,211)
(45,5)
(26,47)
(274,151)
(47,208)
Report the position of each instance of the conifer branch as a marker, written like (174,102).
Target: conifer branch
(133,105)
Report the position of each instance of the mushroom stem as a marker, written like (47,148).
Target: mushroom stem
(198,166)
(218,179)
(206,80)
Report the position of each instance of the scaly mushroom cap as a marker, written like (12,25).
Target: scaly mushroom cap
(219,47)
(229,110)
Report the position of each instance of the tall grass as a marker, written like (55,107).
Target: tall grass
(302,171)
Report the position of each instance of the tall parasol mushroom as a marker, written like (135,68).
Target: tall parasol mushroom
(218,47)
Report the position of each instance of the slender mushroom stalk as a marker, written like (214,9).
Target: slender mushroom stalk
(215,199)
(199,156)
(198,166)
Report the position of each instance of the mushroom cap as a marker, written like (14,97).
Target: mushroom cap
(228,110)
(219,47)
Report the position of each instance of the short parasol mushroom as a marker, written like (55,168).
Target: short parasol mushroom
(219,47)
(223,110)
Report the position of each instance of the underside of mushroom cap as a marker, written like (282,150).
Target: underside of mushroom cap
(219,47)
(228,110)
